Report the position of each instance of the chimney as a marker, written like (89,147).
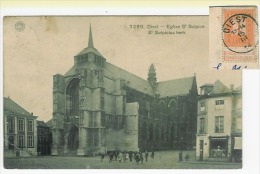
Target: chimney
(232,87)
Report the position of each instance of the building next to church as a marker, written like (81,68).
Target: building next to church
(99,107)
(20,132)
(44,138)
(219,129)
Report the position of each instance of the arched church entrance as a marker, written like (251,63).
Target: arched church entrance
(73,138)
(72,117)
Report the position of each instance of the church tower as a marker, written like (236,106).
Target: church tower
(78,104)
(152,77)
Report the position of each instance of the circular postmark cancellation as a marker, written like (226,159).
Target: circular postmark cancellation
(19,26)
(239,33)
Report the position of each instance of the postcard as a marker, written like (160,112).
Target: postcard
(128,92)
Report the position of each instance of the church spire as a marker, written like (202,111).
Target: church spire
(90,38)
(152,76)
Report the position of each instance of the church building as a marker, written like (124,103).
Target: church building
(99,107)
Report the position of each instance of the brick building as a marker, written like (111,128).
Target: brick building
(44,138)
(99,107)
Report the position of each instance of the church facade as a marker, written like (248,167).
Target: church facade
(99,107)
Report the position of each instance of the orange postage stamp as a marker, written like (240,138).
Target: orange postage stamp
(238,28)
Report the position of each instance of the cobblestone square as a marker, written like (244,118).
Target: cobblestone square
(162,160)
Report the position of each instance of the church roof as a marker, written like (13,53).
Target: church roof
(10,105)
(71,71)
(219,88)
(175,87)
(89,50)
(133,81)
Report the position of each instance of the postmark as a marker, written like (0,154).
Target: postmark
(233,39)
(238,33)
(19,26)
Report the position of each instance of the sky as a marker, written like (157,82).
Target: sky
(47,46)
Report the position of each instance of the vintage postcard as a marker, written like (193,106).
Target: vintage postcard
(128,92)
(234,44)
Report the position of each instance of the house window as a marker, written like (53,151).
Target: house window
(219,124)
(30,141)
(10,125)
(11,142)
(30,126)
(21,141)
(219,104)
(20,124)
(202,126)
(202,106)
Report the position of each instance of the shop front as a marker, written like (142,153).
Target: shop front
(218,147)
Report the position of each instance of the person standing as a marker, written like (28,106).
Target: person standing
(152,155)
(110,156)
(146,156)
(141,158)
(102,157)
(120,157)
(130,155)
(137,158)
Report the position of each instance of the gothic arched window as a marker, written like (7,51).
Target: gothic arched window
(72,97)
(172,110)
(162,110)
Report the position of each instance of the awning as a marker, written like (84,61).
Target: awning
(238,143)
(218,138)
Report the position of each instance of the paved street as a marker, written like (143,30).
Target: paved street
(162,160)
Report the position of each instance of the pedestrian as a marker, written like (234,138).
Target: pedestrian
(116,155)
(130,155)
(124,157)
(152,154)
(120,157)
(110,156)
(146,156)
(141,158)
(187,157)
(137,158)
(102,157)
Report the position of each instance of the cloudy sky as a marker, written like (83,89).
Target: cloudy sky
(47,46)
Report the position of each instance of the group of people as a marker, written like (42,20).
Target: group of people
(124,156)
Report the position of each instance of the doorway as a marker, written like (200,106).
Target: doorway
(201,149)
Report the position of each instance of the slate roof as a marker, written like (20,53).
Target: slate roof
(71,71)
(207,84)
(41,123)
(133,81)
(10,105)
(175,87)
(219,88)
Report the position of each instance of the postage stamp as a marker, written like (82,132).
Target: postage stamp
(234,44)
